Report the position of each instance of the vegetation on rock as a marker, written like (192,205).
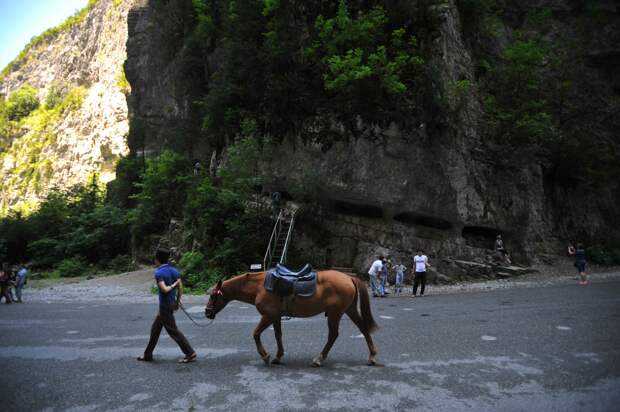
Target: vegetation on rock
(30,50)
(29,155)
(256,72)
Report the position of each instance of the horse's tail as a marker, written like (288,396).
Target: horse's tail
(367,319)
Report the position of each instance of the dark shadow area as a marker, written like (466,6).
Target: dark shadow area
(286,196)
(353,209)
(416,219)
(480,236)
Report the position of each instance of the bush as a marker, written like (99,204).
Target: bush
(22,102)
(55,96)
(162,194)
(120,263)
(604,254)
(71,267)
(45,252)
(194,273)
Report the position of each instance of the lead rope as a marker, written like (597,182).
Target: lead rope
(192,319)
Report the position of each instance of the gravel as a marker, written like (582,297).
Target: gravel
(136,286)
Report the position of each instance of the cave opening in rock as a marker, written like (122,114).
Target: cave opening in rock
(480,236)
(356,209)
(416,219)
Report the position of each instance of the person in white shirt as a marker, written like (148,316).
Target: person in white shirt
(400,276)
(421,263)
(21,281)
(373,274)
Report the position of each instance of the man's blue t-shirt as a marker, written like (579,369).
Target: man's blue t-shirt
(169,275)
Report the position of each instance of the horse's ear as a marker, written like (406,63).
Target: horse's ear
(219,284)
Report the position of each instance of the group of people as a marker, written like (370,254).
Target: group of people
(12,282)
(380,269)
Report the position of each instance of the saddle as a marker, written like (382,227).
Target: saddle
(284,282)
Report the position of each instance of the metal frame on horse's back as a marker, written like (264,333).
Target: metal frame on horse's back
(336,294)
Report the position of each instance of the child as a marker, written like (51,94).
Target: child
(400,275)
(580,262)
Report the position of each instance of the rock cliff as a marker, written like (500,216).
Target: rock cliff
(446,191)
(59,149)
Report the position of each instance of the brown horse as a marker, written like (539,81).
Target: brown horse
(336,294)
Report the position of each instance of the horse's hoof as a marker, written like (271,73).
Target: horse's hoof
(371,362)
(317,362)
(276,361)
(266,360)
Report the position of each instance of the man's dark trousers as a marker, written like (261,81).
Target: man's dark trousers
(165,319)
(419,277)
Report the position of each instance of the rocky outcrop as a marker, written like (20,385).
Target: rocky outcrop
(84,140)
(444,191)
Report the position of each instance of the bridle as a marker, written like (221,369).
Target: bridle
(217,292)
(193,320)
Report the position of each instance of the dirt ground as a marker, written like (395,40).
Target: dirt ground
(136,286)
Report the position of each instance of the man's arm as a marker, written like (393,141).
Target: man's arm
(165,289)
(179,290)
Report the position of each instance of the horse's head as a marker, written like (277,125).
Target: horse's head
(216,301)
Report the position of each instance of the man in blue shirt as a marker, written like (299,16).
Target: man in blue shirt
(168,279)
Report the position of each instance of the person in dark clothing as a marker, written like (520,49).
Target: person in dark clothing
(276,203)
(5,283)
(168,279)
(580,262)
(501,250)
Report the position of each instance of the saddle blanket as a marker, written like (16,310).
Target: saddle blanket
(284,282)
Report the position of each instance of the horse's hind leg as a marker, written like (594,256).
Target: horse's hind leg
(277,329)
(333,322)
(264,323)
(357,319)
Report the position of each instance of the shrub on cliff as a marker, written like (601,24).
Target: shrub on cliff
(161,195)
(22,102)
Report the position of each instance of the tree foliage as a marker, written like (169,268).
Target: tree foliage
(22,102)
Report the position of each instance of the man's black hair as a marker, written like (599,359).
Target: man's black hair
(162,255)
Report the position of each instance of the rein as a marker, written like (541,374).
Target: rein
(192,319)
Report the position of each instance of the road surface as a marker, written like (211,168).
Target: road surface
(523,349)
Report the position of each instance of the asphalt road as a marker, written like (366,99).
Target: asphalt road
(534,349)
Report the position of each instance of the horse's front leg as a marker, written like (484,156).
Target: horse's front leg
(333,322)
(264,323)
(277,329)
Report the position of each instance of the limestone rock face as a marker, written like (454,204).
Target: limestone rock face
(86,139)
(442,191)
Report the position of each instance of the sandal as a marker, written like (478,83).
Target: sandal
(145,358)
(188,359)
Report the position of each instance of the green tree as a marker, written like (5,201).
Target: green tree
(22,102)
(161,194)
